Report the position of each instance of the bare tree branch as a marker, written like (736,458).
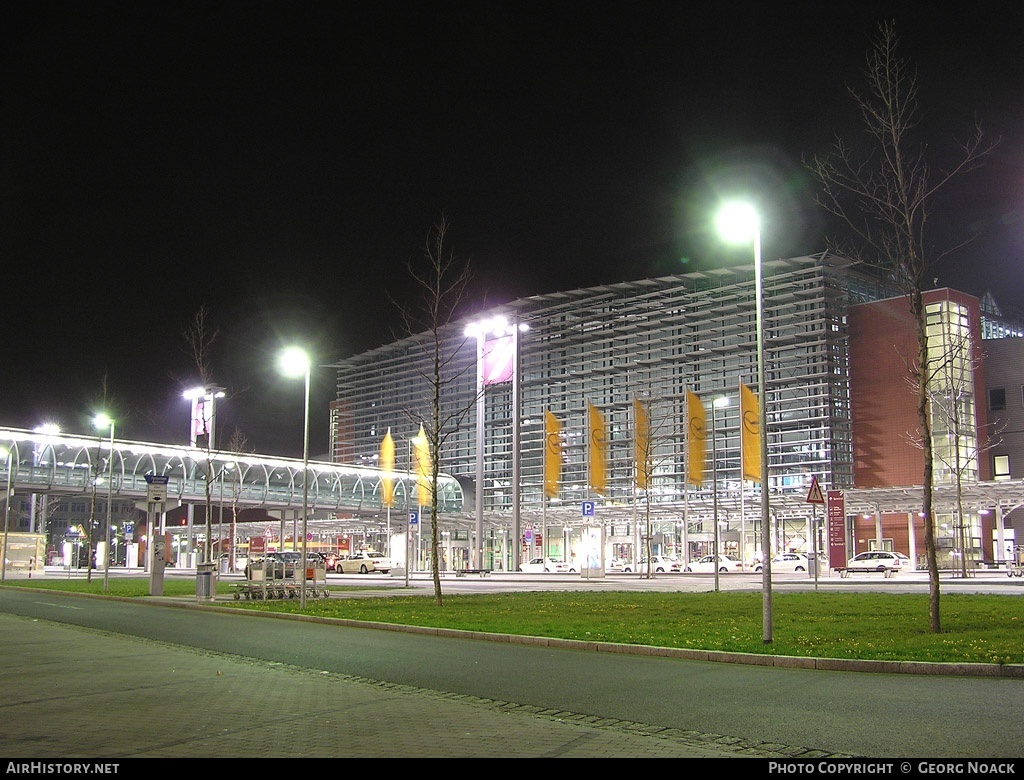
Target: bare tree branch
(442,281)
(885,198)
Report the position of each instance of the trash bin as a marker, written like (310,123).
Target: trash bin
(206,581)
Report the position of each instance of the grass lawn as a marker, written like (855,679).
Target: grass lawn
(977,628)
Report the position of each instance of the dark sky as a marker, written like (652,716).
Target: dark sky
(280,163)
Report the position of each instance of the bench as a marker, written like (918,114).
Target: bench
(464,572)
(844,572)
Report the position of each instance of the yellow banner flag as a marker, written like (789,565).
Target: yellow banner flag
(421,454)
(642,443)
(750,434)
(387,462)
(552,454)
(598,450)
(697,438)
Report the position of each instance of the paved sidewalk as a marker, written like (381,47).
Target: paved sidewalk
(77,693)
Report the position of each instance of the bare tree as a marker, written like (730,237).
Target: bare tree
(442,282)
(238,444)
(655,444)
(885,197)
(104,403)
(199,339)
(643,455)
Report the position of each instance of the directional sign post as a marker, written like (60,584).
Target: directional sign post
(156,488)
(814,496)
(414,521)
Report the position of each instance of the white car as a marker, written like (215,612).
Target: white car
(707,564)
(787,562)
(876,560)
(662,564)
(363,562)
(547,566)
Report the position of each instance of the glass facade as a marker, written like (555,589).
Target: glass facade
(608,346)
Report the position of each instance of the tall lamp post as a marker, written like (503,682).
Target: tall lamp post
(204,413)
(497,360)
(295,362)
(7,510)
(715,405)
(36,522)
(204,419)
(102,421)
(739,223)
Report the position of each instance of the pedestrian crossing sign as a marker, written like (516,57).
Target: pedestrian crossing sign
(814,495)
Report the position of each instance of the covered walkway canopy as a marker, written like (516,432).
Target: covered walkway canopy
(63,464)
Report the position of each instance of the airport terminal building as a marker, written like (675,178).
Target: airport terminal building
(583,365)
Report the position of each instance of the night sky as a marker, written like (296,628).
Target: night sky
(280,163)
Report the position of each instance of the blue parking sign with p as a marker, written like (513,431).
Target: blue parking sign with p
(588,508)
(414,518)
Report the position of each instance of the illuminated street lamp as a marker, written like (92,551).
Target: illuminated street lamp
(739,223)
(204,413)
(102,421)
(202,423)
(37,522)
(497,361)
(294,363)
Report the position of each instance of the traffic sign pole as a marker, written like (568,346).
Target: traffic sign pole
(815,497)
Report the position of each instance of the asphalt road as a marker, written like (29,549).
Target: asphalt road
(834,713)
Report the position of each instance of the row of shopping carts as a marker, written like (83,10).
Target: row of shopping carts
(271,578)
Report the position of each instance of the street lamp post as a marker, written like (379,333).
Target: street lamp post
(7,512)
(740,222)
(204,420)
(204,413)
(295,362)
(37,522)
(496,361)
(715,404)
(102,421)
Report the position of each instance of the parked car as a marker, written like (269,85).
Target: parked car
(363,562)
(662,564)
(787,562)
(547,566)
(875,560)
(707,564)
(616,566)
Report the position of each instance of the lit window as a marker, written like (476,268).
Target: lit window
(1001,467)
